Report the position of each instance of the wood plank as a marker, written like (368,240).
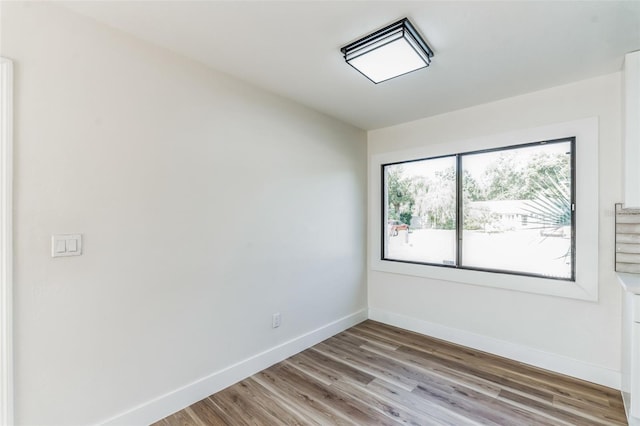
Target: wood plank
(552,412)
(239,410)
(297,400)
(373,340)
(443,414)
(438,369)
(441,388)
(479,371)
(509,372)
(374,373)
(480,408)
(206,413)
(584,408)
(275,409)
(331,369)
(364,364)
(342,404)
(395,411)
(181,418)
(402,337)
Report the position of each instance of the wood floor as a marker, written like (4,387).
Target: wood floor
(375,374)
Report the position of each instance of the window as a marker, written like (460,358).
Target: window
(509,210)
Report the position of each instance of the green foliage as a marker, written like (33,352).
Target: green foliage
(542,180)
(405,217)
(506,180)
(472,189)
(551,206)
(442,200)
(399,194)
(478,218)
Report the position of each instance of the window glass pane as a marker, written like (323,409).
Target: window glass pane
(420,211)
(517,210)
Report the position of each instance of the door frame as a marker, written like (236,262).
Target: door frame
(6,241)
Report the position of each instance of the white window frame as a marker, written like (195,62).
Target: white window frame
(6,251)
(585,286)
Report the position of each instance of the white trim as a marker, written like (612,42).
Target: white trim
(162,406)
(6,244)
(631,129)
(546,360)
(586,285)
(626,401)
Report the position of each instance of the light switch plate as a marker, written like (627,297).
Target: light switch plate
(66,245)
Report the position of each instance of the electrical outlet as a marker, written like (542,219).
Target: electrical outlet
(275,320)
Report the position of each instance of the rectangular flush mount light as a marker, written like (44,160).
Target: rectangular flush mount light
(390,52)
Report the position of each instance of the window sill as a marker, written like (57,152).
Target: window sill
(574,290)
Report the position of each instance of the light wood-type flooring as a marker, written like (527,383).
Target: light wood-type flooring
(375,374)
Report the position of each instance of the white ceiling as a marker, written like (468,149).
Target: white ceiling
(484,51)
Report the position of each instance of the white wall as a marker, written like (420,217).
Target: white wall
(576,337)
(205,204)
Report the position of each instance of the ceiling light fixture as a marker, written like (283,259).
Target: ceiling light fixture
(390,52)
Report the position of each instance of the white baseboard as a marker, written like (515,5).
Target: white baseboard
(178,399)
(549,361)
(626,401)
